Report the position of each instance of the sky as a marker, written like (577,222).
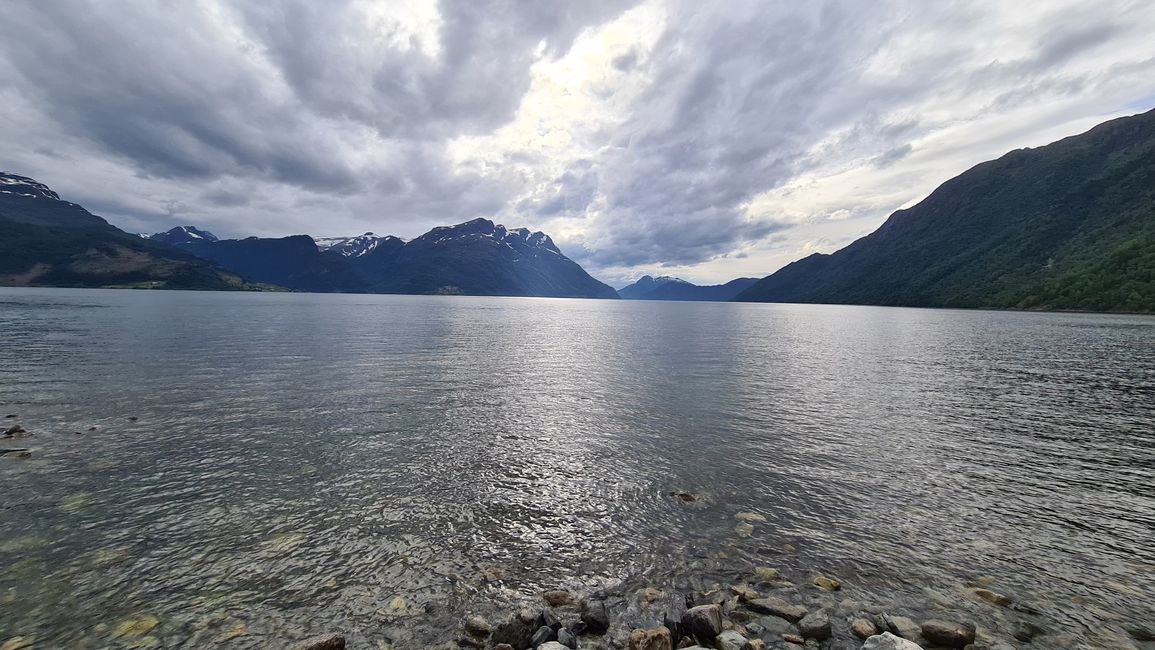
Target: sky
(706,140)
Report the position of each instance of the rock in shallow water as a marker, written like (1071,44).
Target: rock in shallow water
(815,626)
(863,628)
(704,622)
(730,640)
(829,584)
(992,597)
(656,639)
(542,635)
(327,642)
(477,626)
(949,634)
(777,607)
(557,598)
(887,641)
(595,616)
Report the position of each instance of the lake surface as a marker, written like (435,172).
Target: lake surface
(298,461)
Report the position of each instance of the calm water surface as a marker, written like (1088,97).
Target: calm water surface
(299,461)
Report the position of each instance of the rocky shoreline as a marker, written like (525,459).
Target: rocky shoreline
(763,610)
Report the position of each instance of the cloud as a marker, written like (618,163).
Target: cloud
(710,140)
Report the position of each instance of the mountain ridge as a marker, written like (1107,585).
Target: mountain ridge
(1066,226)
(667,287)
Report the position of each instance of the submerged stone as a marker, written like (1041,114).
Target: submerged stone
(949,634)
(887,641)
(777,607)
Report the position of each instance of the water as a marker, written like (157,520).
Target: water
(299,461)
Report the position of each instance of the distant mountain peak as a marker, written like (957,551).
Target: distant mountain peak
(24,186)
(354,246)
(182,235)
(522,239)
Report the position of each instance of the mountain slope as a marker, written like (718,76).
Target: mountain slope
(474,258)
(669,288)
(293,262)
(1067,226)
(483,259)
(46,241)
(182,235)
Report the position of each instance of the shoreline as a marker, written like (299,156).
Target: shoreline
(764,609)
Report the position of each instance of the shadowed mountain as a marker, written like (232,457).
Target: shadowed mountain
(483,259)
(670,288)
(474,258)
(46,241)
(1067,226)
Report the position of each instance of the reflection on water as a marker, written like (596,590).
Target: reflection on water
(311,463)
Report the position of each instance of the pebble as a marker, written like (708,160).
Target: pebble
(567,638)
(551,645)
(750,517)
(744,530)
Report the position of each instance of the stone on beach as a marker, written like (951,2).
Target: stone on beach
(542,635)
(887,641)
(777,607)
(551,645)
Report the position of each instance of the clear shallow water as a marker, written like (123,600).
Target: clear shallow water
(300,460)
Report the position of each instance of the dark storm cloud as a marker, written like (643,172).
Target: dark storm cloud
(336,117)
(283,92)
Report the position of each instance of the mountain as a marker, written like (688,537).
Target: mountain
(356,246)
(483,259)
(182,235)
(46,241)
(646,284)
(1067,226)
(473,258)
(293,262)
(670,288)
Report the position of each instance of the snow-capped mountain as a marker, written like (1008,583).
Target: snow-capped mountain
(355,246)
(24,186)
(46,241)
(519,239)
(182,235)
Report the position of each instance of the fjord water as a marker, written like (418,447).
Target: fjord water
(299,461)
